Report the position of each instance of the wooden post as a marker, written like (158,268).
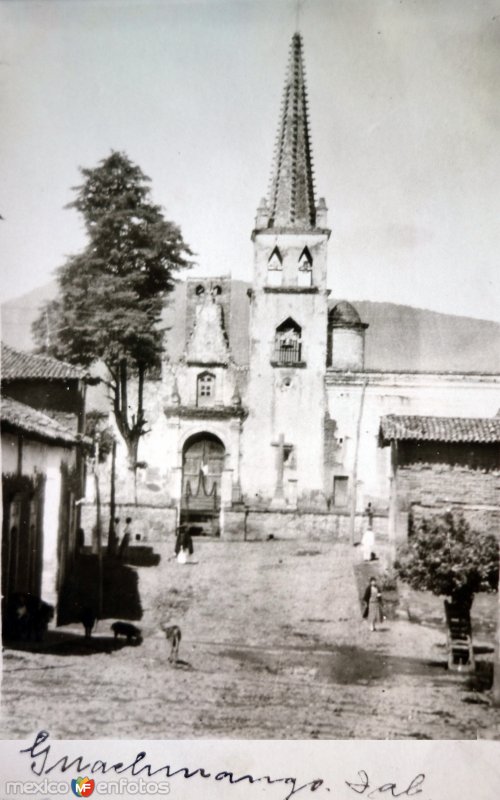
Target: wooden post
(354,477)
(496,665)
(99,546)
(97,539)
(112,543)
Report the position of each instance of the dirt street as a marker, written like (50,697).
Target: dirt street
(273,647)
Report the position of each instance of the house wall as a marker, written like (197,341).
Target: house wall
(53,395)
(42,458)
(432,477)
(10,452)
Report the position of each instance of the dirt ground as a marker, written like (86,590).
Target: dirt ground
(273,647)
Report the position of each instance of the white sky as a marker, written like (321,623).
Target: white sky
(405,119)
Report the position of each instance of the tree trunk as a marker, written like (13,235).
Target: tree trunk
(132,448)
(131,429)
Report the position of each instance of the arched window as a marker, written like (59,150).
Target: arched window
(205,389)
(275,260)
(275,268)
(288,342)
(305,260)
(305,268)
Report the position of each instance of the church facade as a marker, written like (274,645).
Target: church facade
(265,419)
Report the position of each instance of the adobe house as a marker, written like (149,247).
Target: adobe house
(440,463)
(42,471)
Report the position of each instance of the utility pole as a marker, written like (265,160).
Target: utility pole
(354,474)
(496,665)
(97,539)
(112,543)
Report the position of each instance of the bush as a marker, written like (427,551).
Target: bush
(444,556)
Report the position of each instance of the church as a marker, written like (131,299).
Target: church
(272,417)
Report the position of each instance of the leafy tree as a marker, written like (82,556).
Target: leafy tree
(111,295)
(443,555)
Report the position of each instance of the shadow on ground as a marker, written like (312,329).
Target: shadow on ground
(354,665)
(60,643)
(120,590)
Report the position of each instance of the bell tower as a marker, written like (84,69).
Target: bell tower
(284,433)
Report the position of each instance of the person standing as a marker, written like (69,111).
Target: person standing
(373,609)
(183,544)
(125,542)
(114,542)
(368,538)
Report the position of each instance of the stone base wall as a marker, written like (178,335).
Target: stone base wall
(330,527)
(156,524)
(234,525)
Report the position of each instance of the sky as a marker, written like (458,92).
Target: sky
(404,114)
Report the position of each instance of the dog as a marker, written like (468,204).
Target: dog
(88,620)
(174,636)
(132,633)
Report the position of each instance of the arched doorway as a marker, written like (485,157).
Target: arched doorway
(202,465)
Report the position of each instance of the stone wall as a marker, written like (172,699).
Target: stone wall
(439,485)
(428,488)
(333,527)
(154,524)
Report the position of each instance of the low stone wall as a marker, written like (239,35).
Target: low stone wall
(153,524)
(157,524)
(308,525)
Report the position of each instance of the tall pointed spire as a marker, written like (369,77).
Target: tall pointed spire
(291,198)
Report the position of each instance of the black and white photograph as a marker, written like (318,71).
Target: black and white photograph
(250,371)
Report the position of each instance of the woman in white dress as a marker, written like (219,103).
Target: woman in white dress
(183,545)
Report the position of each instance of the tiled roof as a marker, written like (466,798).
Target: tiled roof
(28,420)
(25,366)
(440,429)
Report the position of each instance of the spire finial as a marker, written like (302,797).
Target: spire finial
(298,9)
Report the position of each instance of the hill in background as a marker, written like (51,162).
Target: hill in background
(399,337)
(19,313)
